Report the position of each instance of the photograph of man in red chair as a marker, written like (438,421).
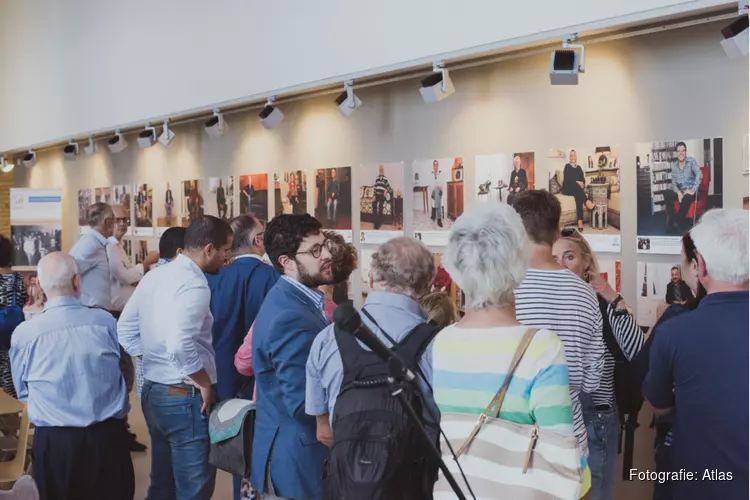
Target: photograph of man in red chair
(677,183)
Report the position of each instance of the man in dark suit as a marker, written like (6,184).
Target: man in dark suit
(678,292)
(287,457)
(237,292)
(518,181)
(168,205)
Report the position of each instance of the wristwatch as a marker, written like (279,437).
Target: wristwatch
(622,311)
(617,300)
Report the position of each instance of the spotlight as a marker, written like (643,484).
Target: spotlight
(167,135)
(91,149)
(270,116)
(736,39)
(347,102)
(147,137)
(117,142)
(216,126)
(437,86)
(6,166)
(29,159)
(70,151)
(566,64)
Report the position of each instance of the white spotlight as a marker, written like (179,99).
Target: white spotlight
(736,35)
(147,137)
(117,142)
(70,151)
(347,101)
(6,166)
(91,149)
(216,126)
(29,159)
(566,64)
(270,116)
(167,135)
(437,86)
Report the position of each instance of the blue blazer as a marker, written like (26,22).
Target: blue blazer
(283,334)
(237,293)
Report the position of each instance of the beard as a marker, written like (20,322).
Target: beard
(315,279)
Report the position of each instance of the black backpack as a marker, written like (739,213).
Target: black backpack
(377,453)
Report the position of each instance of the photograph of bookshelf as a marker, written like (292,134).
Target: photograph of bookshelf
(663,156)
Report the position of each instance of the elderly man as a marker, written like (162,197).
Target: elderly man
(400,274)
(237,292)
(168,320)
(90,253)
(66,366)
(699,365)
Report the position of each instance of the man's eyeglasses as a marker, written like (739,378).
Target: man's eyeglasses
(123,220)
(317,249)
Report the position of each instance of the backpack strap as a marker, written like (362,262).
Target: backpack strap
(414,343)
(15,288)
(497,400)
(350,352)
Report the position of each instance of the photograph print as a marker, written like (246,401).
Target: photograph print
(31,243)
(290,192)
(254,195)
(502,177)
(127,246)
(144,209)
(438,193)
(659,286)
(85,197)
(220,197)
(586,181)
(333,197)
(103,195)
(192,201)
(36,298)
(381,202)
(442,282)
(141,251)
(678,181)
(166,208)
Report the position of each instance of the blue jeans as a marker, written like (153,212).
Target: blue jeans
(179,444)
(603,431)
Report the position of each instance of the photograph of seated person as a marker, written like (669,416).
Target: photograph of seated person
(518,181)
(678,292)
(574,185)
(686,179)
(442,281)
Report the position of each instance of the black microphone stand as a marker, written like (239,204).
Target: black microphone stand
(397,382)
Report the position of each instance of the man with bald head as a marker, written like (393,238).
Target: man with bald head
(66,366)
(400,274)
(90,253)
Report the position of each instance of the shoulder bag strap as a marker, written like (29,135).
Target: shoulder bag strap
(497,401)
(15,288)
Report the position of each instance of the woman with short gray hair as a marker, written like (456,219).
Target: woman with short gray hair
(487,256)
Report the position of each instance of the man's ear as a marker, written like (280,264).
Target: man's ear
(179,251)
(702,272)
(285,262)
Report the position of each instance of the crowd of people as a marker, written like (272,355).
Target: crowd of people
(546,348)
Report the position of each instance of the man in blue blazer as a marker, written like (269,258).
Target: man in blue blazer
(287,456)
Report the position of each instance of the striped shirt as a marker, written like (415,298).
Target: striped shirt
(565,304)
(628,335)
(471,364)
(381,185)
(316,296)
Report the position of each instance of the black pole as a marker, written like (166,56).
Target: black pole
(398,391)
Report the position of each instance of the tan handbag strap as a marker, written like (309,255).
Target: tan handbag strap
(497,400)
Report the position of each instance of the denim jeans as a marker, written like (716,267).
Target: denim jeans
(179,444)
(603,431)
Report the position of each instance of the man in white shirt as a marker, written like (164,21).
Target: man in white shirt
(90,253)
(168,320)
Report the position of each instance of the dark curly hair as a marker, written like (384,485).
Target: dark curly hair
(540,211)
(343,257)
(285,233)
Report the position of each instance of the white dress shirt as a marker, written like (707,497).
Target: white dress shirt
(168,321)
(124,274)
(90,253)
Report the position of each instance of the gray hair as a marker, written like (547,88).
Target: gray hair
(403,265)
(244,229)
(721,237)
(488,255)
(98,213)
(56,272)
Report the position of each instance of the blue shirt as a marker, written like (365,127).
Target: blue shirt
(699,367)
(66,365)
(688,178)
(168,322)
(316,296)
(90,253)
(397,314)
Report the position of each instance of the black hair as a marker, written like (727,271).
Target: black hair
(205,230)
(540,212)
(172,240)
(284,235)
(681,144)
(691,254)
(243,228)
(675,267)
(6,252)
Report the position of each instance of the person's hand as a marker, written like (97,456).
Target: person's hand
(679,197)
(690,191)
(580,183)
(151,259)
(601,287)
(207,394)
(325,435)
(442,289)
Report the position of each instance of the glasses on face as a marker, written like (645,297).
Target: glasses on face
(122,220)
(317,249)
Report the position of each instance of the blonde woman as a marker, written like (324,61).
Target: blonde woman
(440,309)
(624,340)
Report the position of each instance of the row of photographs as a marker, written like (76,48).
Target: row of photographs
(676,183)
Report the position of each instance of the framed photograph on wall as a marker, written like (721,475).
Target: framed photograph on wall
(381,202)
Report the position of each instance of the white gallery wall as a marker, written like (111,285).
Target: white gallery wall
(80,66)
(668,86)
